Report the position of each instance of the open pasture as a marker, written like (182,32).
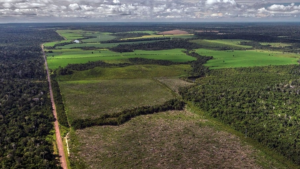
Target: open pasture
(163,36)
(129,72)
(173,139)
(91,99)
(276,45)
(71,56)
(247,58)
(173,32)
(220,43)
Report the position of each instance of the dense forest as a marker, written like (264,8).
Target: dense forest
(262,102)
(26,119)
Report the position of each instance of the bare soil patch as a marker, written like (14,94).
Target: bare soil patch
(173,32)
(173,139)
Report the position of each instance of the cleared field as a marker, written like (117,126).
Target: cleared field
(243,58)
(164,36)
(230,43)
(99,45)
(70,56)
(174,83)
(173,32)
(173,139)
(129,72)
(90,99)
(277,45)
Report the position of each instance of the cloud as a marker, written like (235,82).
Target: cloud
(211,2)
(74,7)
(141,9)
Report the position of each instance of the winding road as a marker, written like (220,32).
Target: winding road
(59,141)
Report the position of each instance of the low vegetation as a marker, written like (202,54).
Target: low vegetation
(91,99)
(172,139)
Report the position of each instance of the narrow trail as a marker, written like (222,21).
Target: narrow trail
(59,141)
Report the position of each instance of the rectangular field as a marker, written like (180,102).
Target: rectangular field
(61,58)
(219,43)
(90,99)
(247,58)
(129,72)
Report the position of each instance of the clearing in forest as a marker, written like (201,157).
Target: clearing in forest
(173,32)
(222,43)
(173,139)
(129,72)
(61,58)
(91,99)
(247,58)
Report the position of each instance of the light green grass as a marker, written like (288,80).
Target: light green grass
(247,58)
(129,72)
(276,44)
(91,100)
(163,36)
(68,56)
(230,43)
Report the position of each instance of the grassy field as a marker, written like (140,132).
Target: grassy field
(247,58)
(230,43)
(162,36)
(129,72)
(277,44)
(70,56)
(173,139)
(90,99)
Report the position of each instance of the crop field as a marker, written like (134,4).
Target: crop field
(173,139)
(71,56)
(129,72)
(247,58)
(90,99)
(230,43)
(277,45)
(164,36)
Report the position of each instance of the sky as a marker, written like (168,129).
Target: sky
(148,10)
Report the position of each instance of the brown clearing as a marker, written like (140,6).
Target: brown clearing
(173,139)
(173,32)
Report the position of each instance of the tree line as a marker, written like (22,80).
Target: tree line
(126,115)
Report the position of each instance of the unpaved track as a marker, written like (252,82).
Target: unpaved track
(57,132)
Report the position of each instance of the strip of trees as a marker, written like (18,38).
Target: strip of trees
(126,115)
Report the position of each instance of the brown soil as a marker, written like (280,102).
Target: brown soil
(57,132)
(173,32)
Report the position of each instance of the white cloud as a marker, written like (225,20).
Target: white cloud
(211,2)
(74,6)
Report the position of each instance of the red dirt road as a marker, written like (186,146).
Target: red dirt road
(57,132)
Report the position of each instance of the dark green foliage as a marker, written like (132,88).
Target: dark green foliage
(26,118)
(124,116)
(198,68)
(160,45)
(262,102)
(85,66)
(60,108)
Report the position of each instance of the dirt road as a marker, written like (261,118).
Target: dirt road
(57,132)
